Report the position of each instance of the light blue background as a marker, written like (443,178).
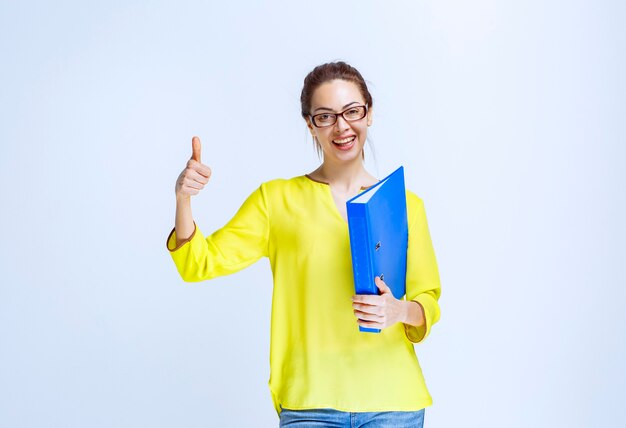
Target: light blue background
(509,120)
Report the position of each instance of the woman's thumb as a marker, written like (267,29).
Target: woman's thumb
(195,149)
(384,288)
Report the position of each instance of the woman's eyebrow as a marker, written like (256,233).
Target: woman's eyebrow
(326,108)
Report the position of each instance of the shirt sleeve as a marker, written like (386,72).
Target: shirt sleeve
(238,244)
(422,277)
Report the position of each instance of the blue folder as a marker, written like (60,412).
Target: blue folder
(377,222)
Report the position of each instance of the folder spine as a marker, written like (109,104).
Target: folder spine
(360,245)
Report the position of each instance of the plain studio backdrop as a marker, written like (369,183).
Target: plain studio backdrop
(508,118)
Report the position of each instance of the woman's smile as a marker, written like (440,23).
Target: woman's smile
(345,143)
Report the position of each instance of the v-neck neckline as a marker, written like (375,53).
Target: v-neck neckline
(328,184)
(332,199)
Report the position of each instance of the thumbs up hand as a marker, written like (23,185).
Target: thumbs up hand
(195,175)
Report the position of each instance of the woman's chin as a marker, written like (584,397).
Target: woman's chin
(347,156)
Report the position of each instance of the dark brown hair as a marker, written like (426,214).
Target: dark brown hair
(327,72)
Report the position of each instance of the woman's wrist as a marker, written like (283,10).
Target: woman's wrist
(413,313)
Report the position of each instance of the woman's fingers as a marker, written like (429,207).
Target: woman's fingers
(191,183)
(368,316)
(196,176)
(199,167)
(377,309)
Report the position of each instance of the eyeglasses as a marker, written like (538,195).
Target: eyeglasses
(323,120)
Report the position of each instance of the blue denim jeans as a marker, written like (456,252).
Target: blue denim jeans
(331,418)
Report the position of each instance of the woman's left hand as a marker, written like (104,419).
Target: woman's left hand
(379,311)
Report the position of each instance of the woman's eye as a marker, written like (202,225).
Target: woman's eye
(324,117)
(353,113)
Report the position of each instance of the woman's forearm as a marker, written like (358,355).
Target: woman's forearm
(414,314)
(184,220)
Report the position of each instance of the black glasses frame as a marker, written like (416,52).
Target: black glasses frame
(335,115)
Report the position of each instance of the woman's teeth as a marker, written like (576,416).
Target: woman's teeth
(344,141)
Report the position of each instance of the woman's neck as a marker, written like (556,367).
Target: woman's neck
(345,177)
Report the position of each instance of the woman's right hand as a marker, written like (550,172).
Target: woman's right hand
(195,175)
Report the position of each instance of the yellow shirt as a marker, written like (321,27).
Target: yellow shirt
(318,357)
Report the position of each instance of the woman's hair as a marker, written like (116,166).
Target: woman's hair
(325,73)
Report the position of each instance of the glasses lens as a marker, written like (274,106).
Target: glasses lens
(324,119)
(355,113)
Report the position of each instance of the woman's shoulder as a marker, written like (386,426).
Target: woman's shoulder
(274,182)
(414,207)
(285,185)
(412,198)
(284,182)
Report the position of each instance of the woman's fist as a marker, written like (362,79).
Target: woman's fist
(194,176)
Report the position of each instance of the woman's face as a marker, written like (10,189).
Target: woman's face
(336,96)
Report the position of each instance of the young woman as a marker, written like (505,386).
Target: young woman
(323,370)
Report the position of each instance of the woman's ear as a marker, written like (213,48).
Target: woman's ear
(369,117)
(309,125)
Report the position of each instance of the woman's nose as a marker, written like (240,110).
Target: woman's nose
(341,124)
